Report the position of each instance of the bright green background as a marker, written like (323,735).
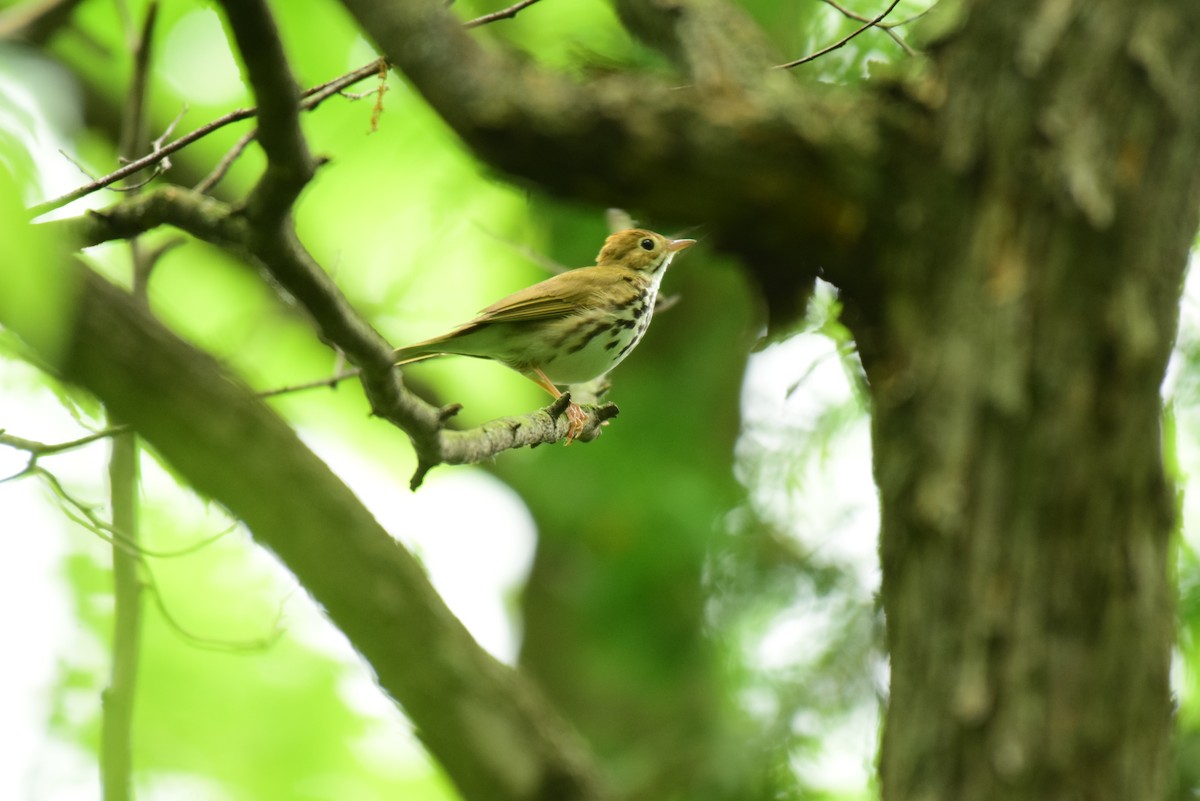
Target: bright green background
(419,236)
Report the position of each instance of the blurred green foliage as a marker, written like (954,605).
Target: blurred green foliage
(682,540)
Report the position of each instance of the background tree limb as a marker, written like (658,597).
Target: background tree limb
(490,729)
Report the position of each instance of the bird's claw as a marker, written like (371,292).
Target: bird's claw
(576,418)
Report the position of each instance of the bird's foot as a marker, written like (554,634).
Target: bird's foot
(576,416)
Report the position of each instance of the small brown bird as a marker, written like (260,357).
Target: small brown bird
(573,327)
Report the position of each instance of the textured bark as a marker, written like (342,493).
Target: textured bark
(1009,230)
(1015,337)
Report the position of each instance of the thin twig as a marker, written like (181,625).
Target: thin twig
(335,85)
(140,164)
(36,449)
(330,382)
(840,43)
(887,27)
(170,129)
(210,181)
(504,13)
(85,517)
(313,98)
(211,643)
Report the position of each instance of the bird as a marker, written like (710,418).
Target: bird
(571,328)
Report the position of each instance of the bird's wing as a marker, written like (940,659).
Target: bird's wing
(558,296)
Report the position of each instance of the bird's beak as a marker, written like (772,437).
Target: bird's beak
(676,245)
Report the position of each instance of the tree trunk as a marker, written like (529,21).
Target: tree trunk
(1015,333)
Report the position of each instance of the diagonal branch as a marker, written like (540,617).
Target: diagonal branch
(289,164)
(489,727)
(337,324)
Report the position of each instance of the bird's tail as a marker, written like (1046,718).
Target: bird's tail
(414,353)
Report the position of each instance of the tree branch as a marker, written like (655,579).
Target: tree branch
(289,164)
(336,321)
(491,730)
(633,142)
(313,97)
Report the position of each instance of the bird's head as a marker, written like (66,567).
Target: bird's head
(640,250)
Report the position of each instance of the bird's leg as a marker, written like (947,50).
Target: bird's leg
(576,416)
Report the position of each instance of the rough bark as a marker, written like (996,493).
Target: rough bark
(1015,334)
(1010,232)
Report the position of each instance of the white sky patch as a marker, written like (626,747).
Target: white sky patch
(196,60)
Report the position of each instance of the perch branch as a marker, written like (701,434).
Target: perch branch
(337,323)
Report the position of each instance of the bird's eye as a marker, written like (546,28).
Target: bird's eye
(647,244)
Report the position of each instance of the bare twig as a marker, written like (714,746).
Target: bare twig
(336,85)
(211,643)
(313,97)
(329,383)
(886,27)
(85,516)
(841,42)
(36,449)
(210,181)
(504,13)
(140,164)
